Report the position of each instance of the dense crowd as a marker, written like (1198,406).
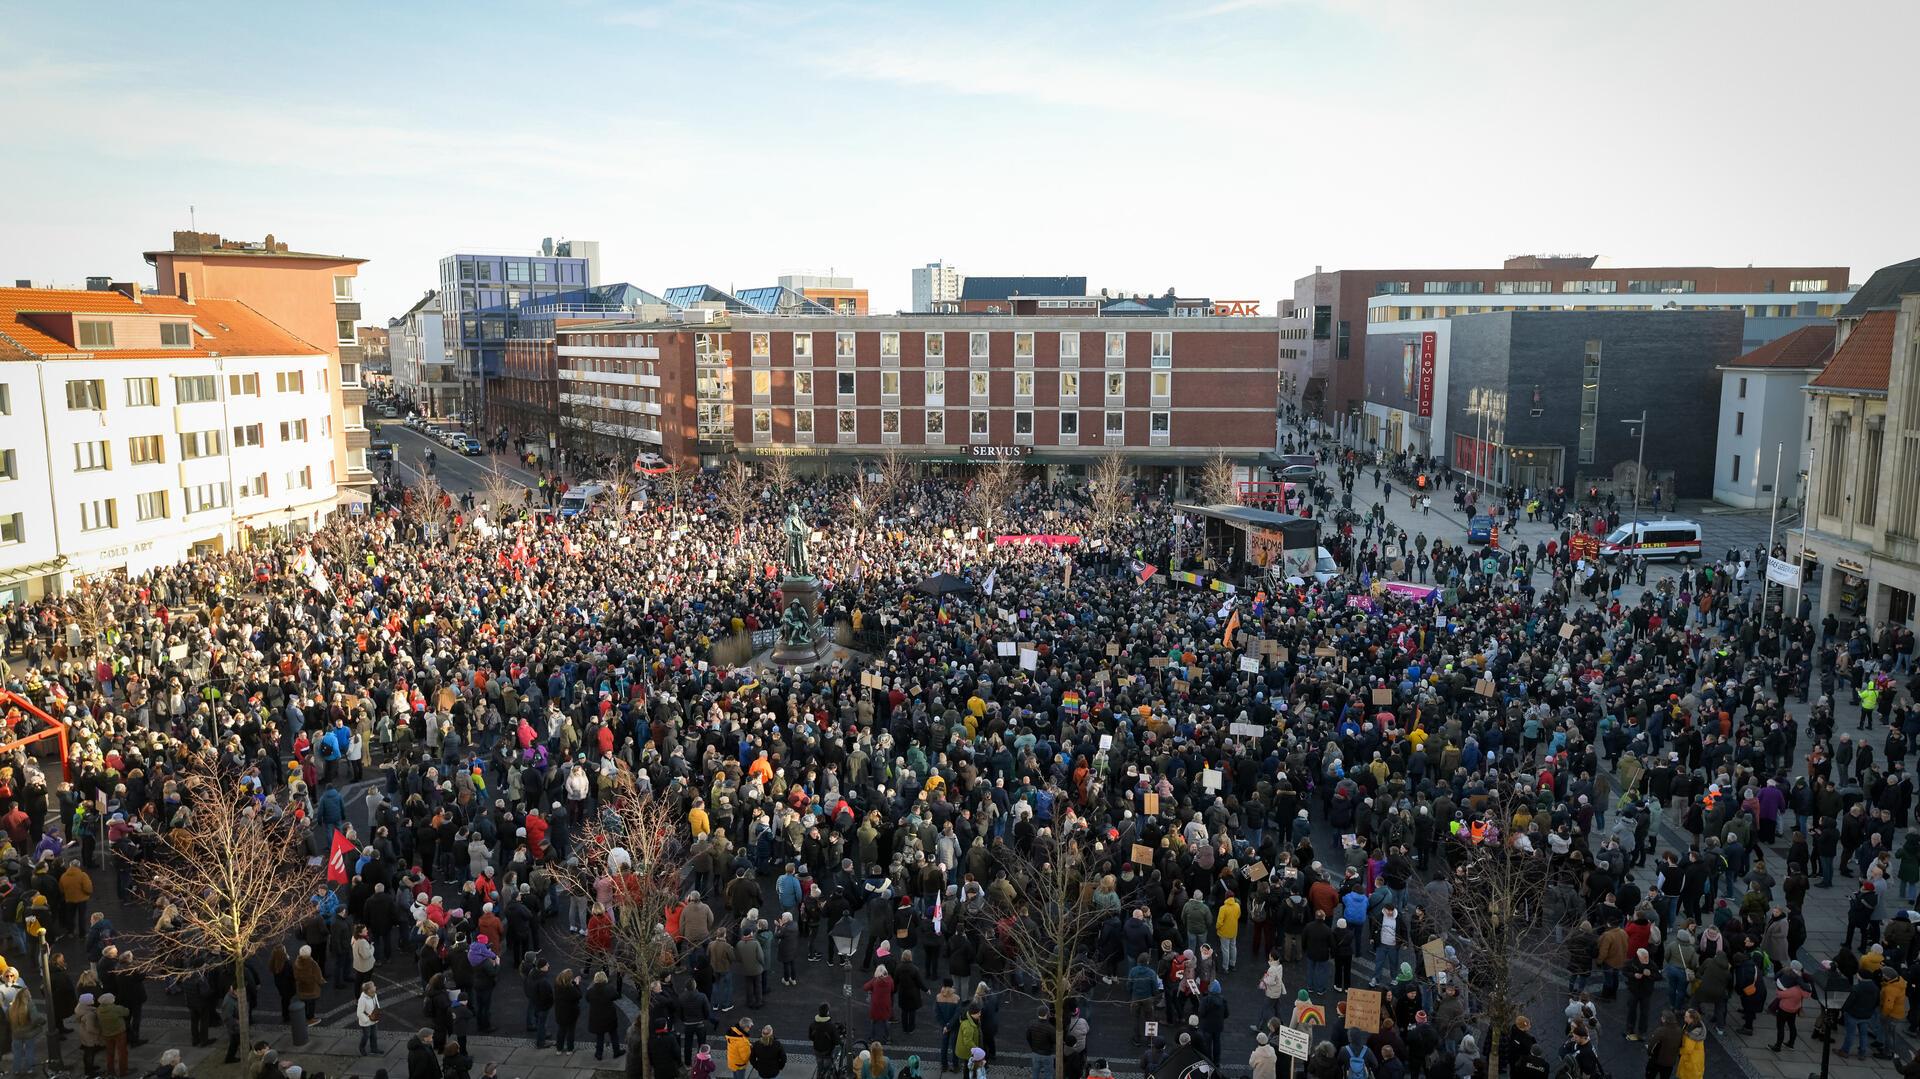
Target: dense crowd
(1280,788)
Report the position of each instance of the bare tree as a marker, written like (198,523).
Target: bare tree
(1218,484)
(429,506)
(635,844)
(779,470)
(1045,924)
(678,480)
(234,877)
(863,497)
(896,476)
(1110,492)
(1502,917)
(739,489)
(499,494)
(994,487)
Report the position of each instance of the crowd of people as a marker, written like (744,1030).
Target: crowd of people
(1294,792)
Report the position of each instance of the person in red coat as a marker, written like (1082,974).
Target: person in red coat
(879,1003)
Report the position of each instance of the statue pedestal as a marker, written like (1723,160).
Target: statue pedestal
(803,654)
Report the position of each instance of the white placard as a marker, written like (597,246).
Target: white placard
(1106,741)
(1250,664)
(1008,648)
(1210,779)
(1029,659)
(1246,730)
(1294,1043)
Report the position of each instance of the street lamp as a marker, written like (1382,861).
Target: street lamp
(846,942)
(1639,465)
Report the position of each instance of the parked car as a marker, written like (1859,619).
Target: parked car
(380,449)
(470,446)
(1653,540)
(1480,529)
(1300,474)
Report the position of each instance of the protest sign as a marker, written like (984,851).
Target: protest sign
(1363,1010)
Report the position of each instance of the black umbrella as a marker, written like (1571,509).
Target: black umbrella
(943,584)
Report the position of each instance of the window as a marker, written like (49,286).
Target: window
(1322,322)
(9,465)
(194,389)
(762,422)
(1070,346)
(91,457)
(1160,423)
(1521,288)
(343,328)
(1808,284)
(936,346)
(1589,286)
(890,422)
(1069,424)
(176,335)
(1659,286)
(212,496)
(761,345)
(803,383)
(12,527)
(762,384)
(1162,346)
(197,444)
(342,289)
(1116,424)
(143,391)
(936,387)
(1116,383)
(1023,424)
(802,346)
(87,395)
(290,381)
(1739,423)
(936,422)
(1162,386)
(293,430)
(803,422)
(542,272)
(1589,402)
(94,334)
(146,449)
(1454,287)
(150,506)
(844,383)
(6,399)
(1743,389)
(977,345)
(1070,384)
(249,435)
(977,423)
(1736,468)
(349,375)
(847,421)
(843,345)
(1023,385)
(255,487)
(1023,345)
(890,384)
(977,386)
(516,271)
(1116,346)
(890,345)
(1392,288)
(98,514)
(297,480)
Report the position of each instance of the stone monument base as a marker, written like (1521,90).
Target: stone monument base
(806,591)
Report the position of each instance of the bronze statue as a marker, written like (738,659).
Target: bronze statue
(797,532)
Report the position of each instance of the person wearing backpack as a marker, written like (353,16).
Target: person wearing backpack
(26,1024)
(1359,1063)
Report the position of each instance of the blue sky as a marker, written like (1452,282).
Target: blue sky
(1224,148)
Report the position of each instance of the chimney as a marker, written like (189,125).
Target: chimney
(185,292)
(129,289)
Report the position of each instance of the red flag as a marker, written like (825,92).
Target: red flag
(1148,571)
(337,871)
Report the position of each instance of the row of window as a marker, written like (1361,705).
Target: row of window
(104,513)
(90,394)
(978,384)
(978,344)
(1113,423)
(1400,288)
(97,456)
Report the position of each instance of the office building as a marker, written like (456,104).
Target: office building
(1763,413)
(480,297)
(837,294)
(1331,371)
(423,372)
(311,295)
(580,249)
(936,282)
(138,428)
(1861,543)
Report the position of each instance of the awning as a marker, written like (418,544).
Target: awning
(351,496)
(31,570)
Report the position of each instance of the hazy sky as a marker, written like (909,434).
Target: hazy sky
(1224,148)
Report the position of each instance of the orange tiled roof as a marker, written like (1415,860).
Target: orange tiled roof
(1865,361)
(1808,346)
(231,327)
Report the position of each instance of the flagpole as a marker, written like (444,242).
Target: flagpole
(1773,516)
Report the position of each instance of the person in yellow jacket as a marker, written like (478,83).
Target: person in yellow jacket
(1869,700)
(740,1047)
(1693,1049)
(697,820)
(1226,926)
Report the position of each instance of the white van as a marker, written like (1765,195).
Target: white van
(577,499)
(1653,539)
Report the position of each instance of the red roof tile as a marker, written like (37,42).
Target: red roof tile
(1808,346)
(231,328)
(1865,361)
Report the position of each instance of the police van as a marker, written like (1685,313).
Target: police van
(1653,539)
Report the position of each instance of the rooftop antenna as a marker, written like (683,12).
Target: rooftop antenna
(192,224)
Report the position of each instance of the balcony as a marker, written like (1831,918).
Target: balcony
(356,438)
(353,396)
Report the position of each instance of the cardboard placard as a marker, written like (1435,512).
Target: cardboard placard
(1157,662)
(1257,872)
(1180,685)
(1113,648)
(1484,687)
(1433,957)
(1141,854)
(1382,695)
(1249,664)
(1245,730)
(871,680)
(1324,651)
(1566,631)
(1363,1010)
(1150,804)
(1281,655)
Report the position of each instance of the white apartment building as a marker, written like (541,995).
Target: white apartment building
(422,371)
(934,283)
(1763,419)
(138,429)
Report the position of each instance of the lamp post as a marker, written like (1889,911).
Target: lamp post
(1639,466)
(1773,516)
(846,943)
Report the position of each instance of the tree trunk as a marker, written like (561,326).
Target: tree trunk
(240,994)
(646,1026)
